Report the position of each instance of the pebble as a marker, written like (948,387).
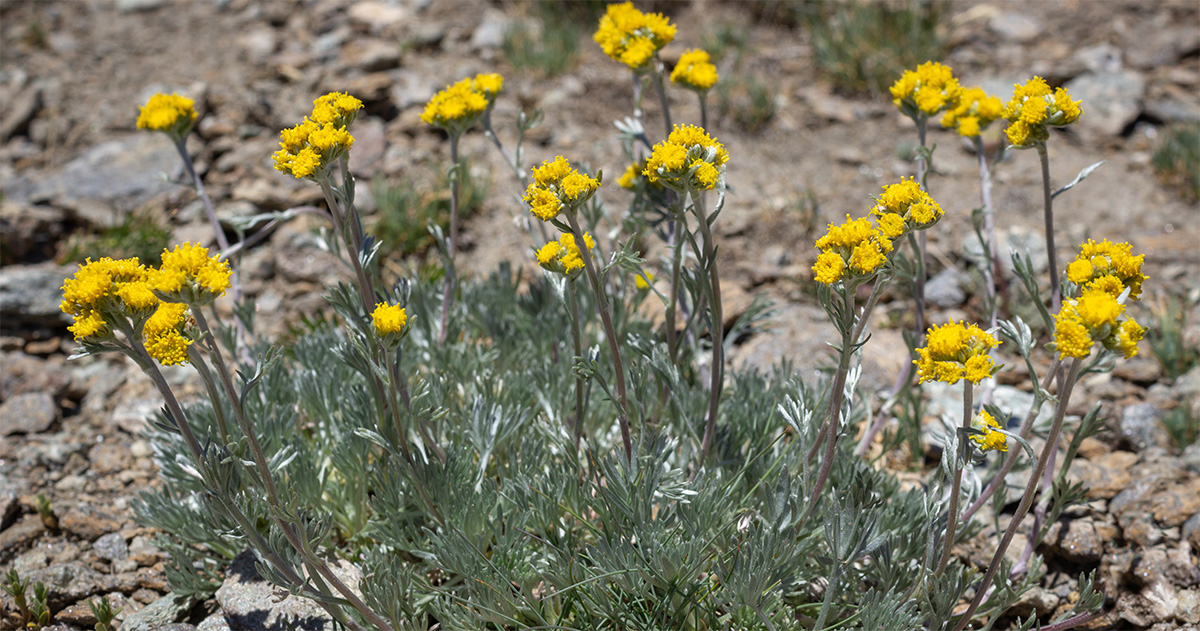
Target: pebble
(68,582)
(160,613)
(247,601)
(1015,26)
(1141,425)
(88,522)
(1139,370)
(29,413)
(111,546)
(1114,100)
(29,295)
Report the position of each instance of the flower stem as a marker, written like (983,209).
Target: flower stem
(716,323)
(662,94)
(577,339)
(680,224)
(919,242)
(614,345)
(987,243)
(952,514)
(1027,499)
(222,241)
(1048,209)
(448,288)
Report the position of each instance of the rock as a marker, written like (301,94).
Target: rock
(19,535)
(249,602)
(29,373)
(1080,540)
(1187,609)
(19,111)
(1190,458)
(29,233)
(945,288)
(30,295)
(1139,370)
(1114,100)
(143,552)
(215,622)
(1015,26)
(1038,600)
(88,522)
(1173,505)
(370,143)
(109,457)
(370,55)
(1155,44)
(1099,58)
(1160,564)
(79,615)
(491,30)
(10,506)
(132,6)
(159,614)
(1141,425)
(259,43)
(126,172)
(68,583)
(1155,603)
(377,15)
(29,413)
(111,546)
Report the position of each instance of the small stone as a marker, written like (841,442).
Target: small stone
(109,457)
(88,522)
(248,601)
(1141,425)
(1015,26)
(1173,505)
(1038,600)
(1104,476)
(68,583)
(29,413)
(1187,609)
(1155,603)
(29,233)
(490,32)
(111,546)
(1081,540)
(20,111)
(1114,100)
(370,55)
(1139,529)
(945,289)
(79,615)
(30,295)
(1191,530)
(215,622)
(131,6)
(1139,370)
(160,613)
(377,15)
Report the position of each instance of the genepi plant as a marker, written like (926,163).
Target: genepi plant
(480,463)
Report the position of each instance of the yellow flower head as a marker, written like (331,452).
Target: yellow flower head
(643,281)
(990,439)
(629,179)
(164,334)
(188,274)
(307,149)
(1033,108)
(458,106)
(955,351)
(695,71)
(688,158)
(556,186)
(971,111)
(168,113)
(89,325)
(336,109)
(389,321)
(926,91)
(1109,266)
(855,246)
(908,200)
(563,256)
(107,289)
(1096,316)
(632,37)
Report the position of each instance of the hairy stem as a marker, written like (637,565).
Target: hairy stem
(662,94)
(448,287)
(952,514)
(716,324)
(610,332)
(577,340)
(1027,499)
(1048,209)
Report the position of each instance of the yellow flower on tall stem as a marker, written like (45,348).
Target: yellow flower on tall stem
(632,37)
(956,351)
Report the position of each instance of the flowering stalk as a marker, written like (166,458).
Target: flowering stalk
(1027,498)
(449,286)
(610,333)
(679,221)
(952,514)
(716,321)
(1048,211)
(657,77)
(577,341)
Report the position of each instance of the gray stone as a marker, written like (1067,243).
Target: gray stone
(30,295)
(1190,458)
(111,546)
(89,522)
(19,535)
(1140,370)
(132,6)
(1155,603)
(1188,608)
(370,143)
(127,172)
(1015,26)
(250,602)
(1172,110)
(29,232)
(29,413)
(159,614)
(215,622)
(490,32)
(19,111)
(1141,425)
(370,55)
(1099,58)
(29,373)
(1113,100)
(377,14)
(945,288)
(68,582)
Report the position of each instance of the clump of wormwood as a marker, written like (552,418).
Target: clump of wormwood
(531,451)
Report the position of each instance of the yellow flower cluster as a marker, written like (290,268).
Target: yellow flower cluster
(955,351)
(169,113)
(563,256)
(1033,108)
(904,207)
(925,91)
(108,295)
(1111,267)
(188,274)
(632,37)
(989,439)
(1096,316)
(457,107)
(307,149)
(556,186)
(164,334)
(389,321)
(971,111)
(855,246)
(695,71)
(688,158)
(643,281)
